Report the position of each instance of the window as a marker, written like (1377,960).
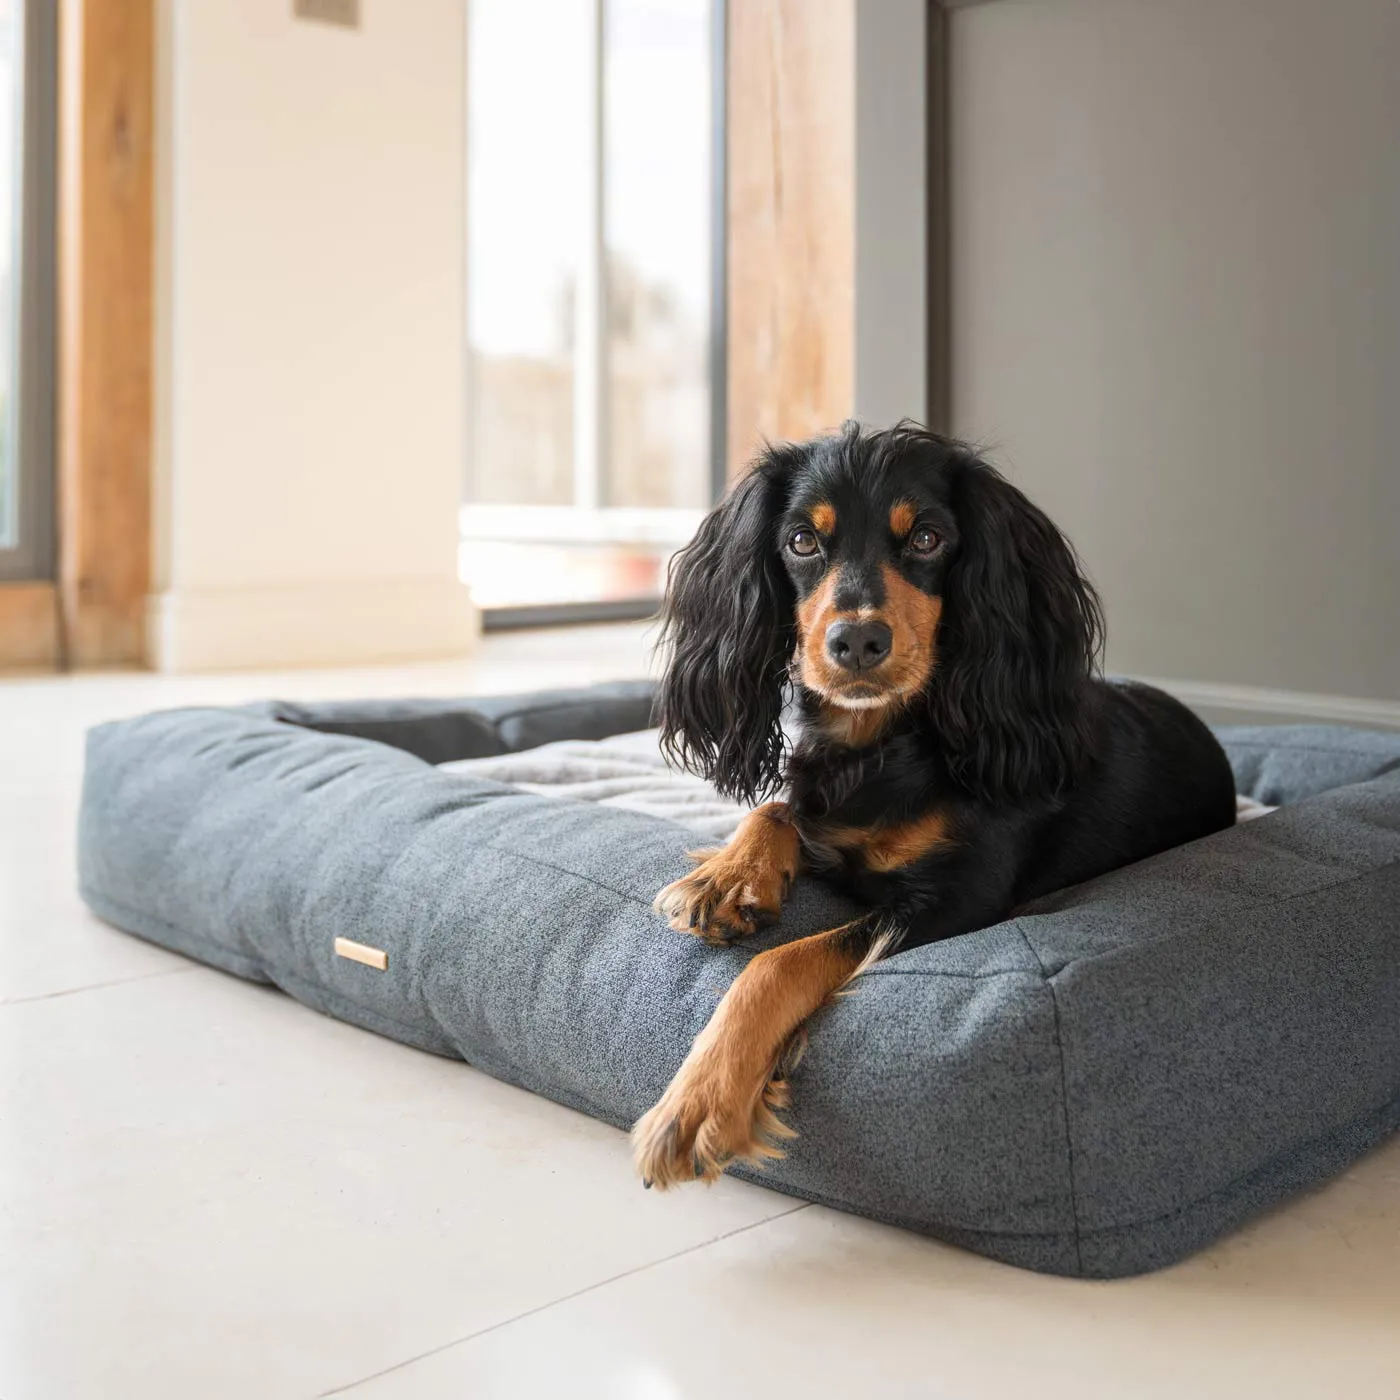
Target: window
(591,280)
(27,85)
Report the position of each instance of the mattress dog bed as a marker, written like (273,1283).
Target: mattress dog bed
(1097,1086)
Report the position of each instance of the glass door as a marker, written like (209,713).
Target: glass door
(592,281)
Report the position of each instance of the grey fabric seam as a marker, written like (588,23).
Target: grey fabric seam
(334,995)
(1107,953)
(738,945)
(1089,1236)
(1064,1099)
(931,972)
(756,1177)
(1015,921)
(1269,747)
(492,845)
(1224,1189)
(880,970)
(142,916)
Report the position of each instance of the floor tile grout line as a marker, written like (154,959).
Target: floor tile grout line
(98,986)
(567,1298)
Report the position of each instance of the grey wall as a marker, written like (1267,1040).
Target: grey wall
(891,232)
(1175,276)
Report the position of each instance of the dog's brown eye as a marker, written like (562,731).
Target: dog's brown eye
(802,542)
(923,542)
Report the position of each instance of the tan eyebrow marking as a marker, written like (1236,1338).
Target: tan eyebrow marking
(824,517)
(902,517)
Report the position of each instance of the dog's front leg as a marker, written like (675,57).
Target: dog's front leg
(739,888)
(722,1103)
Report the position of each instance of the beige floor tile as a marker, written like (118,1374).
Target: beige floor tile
(1304,1305)
(210,1191)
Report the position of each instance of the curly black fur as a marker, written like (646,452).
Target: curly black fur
(729,631)
(1021,632)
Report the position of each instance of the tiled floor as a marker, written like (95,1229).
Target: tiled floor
(208,1191)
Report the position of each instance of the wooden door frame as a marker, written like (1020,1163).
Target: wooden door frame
(29,627)
(799,315)
(106,229)
(91,612)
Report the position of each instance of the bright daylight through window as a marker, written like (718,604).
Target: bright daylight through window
(589,287)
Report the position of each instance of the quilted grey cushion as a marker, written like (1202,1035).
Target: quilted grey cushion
(1096,1087)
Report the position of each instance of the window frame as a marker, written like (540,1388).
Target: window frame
(33,554)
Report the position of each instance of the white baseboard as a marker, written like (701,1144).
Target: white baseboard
(1241,704)
(310,625)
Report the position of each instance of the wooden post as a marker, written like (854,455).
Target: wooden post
(105,277)
(28,625)
(791,251)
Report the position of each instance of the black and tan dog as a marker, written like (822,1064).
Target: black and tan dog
(957,756)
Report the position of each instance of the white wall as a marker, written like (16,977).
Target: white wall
(1176,317)
(310,285)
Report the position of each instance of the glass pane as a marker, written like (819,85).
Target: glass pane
(11,49)
(656,174)
(536,157)
(528,84)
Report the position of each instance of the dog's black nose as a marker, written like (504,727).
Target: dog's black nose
(858,646)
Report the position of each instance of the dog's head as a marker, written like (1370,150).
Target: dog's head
(885,573)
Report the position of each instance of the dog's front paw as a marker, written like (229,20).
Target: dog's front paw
(707,1118)
(722,899)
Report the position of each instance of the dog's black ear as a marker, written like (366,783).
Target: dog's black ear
(729,632)
(1019,637)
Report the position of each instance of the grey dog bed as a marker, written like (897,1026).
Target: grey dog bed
(1097,1086)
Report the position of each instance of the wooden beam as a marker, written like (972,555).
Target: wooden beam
(28,625)
(791,237)
(105,275)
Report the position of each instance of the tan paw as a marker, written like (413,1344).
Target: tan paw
(723,899)
(705,1120)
